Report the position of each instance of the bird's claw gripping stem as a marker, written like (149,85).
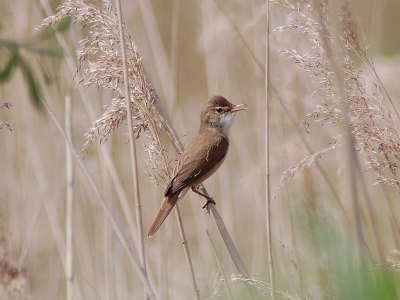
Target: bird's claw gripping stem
(209,201)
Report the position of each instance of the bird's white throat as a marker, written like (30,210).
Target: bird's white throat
(227,121)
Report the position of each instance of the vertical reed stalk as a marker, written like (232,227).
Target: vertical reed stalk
(267,154)
(132,143)
(69,206)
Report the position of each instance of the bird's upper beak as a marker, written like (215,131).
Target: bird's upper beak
(239,107)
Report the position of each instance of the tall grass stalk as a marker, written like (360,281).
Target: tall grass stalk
(132,142)
(69,204)
(268,95)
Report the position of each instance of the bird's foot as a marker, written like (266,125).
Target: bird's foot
(209,201)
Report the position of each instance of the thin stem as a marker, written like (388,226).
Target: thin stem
(187,254)
(69,207)
(267,152)
(132,142)
(221,268)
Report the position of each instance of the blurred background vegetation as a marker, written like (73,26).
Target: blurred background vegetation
(191,50)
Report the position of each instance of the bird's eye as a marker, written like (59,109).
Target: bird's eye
(219,110)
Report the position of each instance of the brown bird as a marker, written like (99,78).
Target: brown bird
(204,155)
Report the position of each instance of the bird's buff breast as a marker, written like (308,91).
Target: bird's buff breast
(204,178)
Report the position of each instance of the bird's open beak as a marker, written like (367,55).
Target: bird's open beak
(239,107)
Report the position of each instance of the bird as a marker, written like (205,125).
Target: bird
(203,156)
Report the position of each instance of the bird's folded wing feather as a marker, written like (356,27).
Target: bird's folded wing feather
(190,171)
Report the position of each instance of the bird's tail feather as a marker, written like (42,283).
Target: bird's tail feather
(166,207)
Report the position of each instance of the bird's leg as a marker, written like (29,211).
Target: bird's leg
(209,199)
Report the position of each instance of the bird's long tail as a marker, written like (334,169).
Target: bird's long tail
(166,207)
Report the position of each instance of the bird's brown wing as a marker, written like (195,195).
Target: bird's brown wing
(191,171)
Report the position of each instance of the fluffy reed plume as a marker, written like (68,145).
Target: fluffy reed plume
(105,72)
(375,135)
(4,124)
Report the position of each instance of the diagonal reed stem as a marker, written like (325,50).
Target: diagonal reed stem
(221,268)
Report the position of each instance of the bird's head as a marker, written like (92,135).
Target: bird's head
(219,113)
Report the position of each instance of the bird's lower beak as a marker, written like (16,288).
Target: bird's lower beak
(239,107)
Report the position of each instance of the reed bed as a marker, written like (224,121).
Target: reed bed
(68,223)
